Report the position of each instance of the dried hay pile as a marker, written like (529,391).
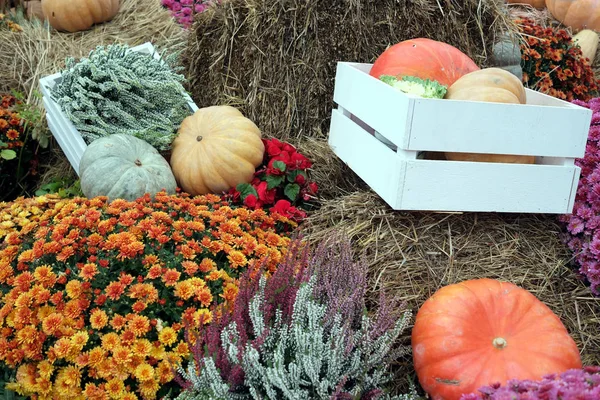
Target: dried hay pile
(276,59)
(39,50)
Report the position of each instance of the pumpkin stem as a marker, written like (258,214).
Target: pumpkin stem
(138,163)
(499,343)
(198,138)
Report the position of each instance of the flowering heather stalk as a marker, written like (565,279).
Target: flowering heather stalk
(575,384)
(301,334)
(583,225)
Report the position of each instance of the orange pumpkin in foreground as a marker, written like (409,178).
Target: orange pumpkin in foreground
(479,332)
(425,59)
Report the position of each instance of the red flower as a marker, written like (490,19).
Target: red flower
(312,186)
(286,209)
(251,201)
(264,195)
(298,161)
(281,207)
(273,149)
(300,179)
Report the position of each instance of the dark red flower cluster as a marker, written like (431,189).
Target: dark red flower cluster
(553,65)
(281,181)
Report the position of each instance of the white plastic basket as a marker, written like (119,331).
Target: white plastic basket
(68,138)
(380,133)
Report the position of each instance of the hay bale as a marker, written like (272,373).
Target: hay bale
(276,59)
(413,254)
(40,50)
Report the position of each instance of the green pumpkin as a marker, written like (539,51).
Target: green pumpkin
(507,55)
(124,167)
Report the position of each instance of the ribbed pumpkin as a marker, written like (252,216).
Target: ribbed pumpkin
(124,167)
(490,85)
(483,331)
(216,149)
(588,42)
(78,15)
(577,14)
(539,4)
(425,59)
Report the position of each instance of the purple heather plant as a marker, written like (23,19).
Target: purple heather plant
(336,283)
(574,384)
(583,225)
(183,10)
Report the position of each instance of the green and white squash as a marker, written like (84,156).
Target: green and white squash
(124,167)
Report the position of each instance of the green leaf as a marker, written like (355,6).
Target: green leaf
(274,181)
(280,165)
(245,190)
(293,174)
(291,191)
(8,154)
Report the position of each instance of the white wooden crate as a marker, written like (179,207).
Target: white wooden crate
(371,112)
(69,139)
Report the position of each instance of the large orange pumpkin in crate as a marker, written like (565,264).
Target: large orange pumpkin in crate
(577,14)
(425,59)
(479,332)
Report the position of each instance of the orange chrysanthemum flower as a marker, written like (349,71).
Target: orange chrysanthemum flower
(98,319)
(167,336)
(144,372)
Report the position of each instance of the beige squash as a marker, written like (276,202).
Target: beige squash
(491,85)
(78,15)
(588,41)
(216,149)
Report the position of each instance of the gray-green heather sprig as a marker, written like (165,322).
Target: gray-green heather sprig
(301,360)
(116,90)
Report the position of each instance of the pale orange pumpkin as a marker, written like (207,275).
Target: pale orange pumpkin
(576,14)
(479,332)
(78,15)
(216,149)
(491,85)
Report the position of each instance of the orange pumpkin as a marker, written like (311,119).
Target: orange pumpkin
(479,332)
(492,85)
(216,149)
(539,4)
(425,59)
(577,14)
(78,15)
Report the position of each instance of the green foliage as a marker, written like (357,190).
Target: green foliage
(116,90)
(8,375)
(420,87)
(64,187)
(32,116)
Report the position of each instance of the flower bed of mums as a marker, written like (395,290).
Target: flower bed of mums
(95,294)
